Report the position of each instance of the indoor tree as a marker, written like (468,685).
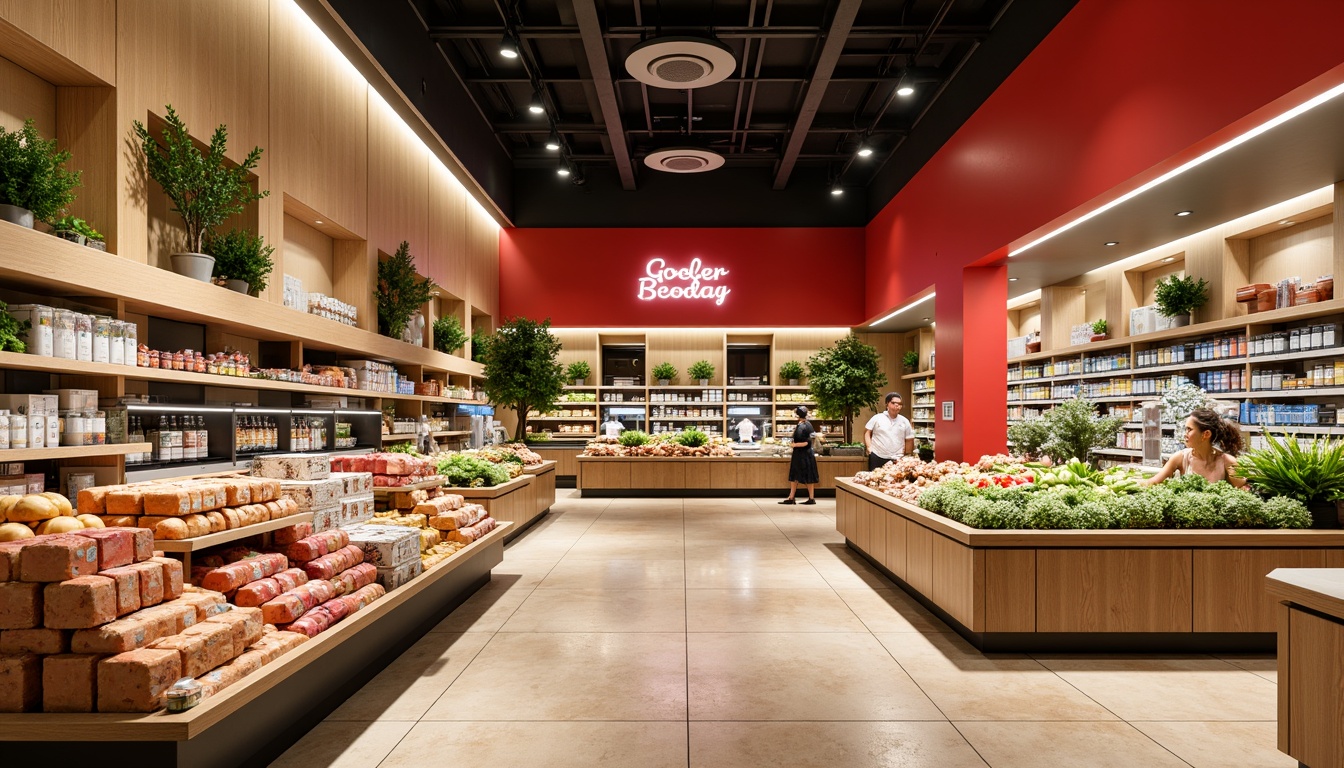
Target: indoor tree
(845,378)
(401,291)
(522,368)
(32,173)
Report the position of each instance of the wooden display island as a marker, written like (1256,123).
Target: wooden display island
(517,501)
(254,721)
(1310,607)
(1083,590)
(704,476)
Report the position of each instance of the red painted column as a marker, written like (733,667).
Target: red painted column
(971,367)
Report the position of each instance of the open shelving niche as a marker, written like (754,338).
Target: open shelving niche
(1294,238)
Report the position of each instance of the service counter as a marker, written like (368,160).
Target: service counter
(704,475)
(1083,590)
(1309,603)
(566,458)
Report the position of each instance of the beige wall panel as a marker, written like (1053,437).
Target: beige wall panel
(1304,250)
(483,262)
(684,346)
(1113,590)
(447,251)
(1229,594)
(210,61)
(958,585)
(86,124)
(319,121)
(354,278)
(398,184)
(308,256)
(1010,590)
(83,34)
(1315,707)
(579,345)
(919,557)
(24,95)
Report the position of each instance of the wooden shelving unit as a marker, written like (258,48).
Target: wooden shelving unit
(69,452)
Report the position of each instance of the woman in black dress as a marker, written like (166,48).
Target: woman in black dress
(803,466)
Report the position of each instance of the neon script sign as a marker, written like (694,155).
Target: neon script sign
(693,279)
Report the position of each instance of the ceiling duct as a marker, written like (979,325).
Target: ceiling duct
(684,160)
(678,62)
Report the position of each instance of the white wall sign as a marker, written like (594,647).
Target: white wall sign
(692,279)
(947,410)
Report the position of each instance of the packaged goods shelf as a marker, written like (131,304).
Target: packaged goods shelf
(233,534)
(69,452)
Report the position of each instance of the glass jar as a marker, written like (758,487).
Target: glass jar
(117,344)
(18,431)
(40,338)
(130,338)
(4,430)
(179,361)
(83,337)
(102,339)
(199,363)
(63,334)
(99,428)
(155,358)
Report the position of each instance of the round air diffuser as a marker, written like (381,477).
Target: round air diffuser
(683,160)
(680,62)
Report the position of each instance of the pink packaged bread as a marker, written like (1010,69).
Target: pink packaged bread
(136,681)
(291,578)
(214,682)
(472,532)
(465,517)
(20,605)
(283,609)
(69,683)
(363,597)
(336,608)
(116,546)
(274,644)
(311,625)
(43,642)
(352,579)
(57,558)
(317,545)
(291,534)
(328,566)
(204,602)
(314,593)
(79,603)
(234,575)
(257,593)
(445,503)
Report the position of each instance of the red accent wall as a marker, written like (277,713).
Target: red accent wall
(589,277)
(1117,94)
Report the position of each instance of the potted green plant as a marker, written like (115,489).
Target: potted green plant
(1176,297)
(910,361)
(578,372)
(401,291)
(847,449)
(1314,475)
(845,378)
(449,335)
(77,230)
(480,338)
(925,450)
(664,373)
(33,181)
(204,188)
(242,260)
(701,370)
(792,372)
(521,369)
(1099,330)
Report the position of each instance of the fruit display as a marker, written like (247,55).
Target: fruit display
(907,477)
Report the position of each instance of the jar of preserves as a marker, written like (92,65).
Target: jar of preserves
(179,361)
(155,359)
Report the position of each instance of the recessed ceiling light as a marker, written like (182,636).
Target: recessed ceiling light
(1169,259)
(319,221)
(1113,242)
(926,319)
(1184,213)
(1012,279)
(905,90)
(1287,223)
(1084,291)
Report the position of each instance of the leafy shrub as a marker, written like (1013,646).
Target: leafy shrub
(76,225)
(790,370)
(578,370)
(241,255)
(406,447)
(32,175)
(633,437)
(1029,435)
(466,471)
(700,369)
(1180,295)
(401,291)
(1284,468)
(664,371)
(11,331)
(692,438)
(449,335)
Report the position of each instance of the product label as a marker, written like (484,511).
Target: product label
(658,276)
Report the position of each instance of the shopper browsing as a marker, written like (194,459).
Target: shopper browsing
(1212,446)
(803,466)
(888,435)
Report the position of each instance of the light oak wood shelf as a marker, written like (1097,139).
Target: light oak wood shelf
(233,534)
(70,452)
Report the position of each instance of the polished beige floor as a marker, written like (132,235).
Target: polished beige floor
(725,633)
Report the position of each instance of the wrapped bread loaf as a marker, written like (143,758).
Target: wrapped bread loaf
(257,593)
(290,534)
(283,609)
(472,532)
(136,681)
(445,503)
(317,545)
(353,579)
(362,597)
(245,624)
(234,575)
(465,517)
(327,566)
(291,578)
(93,501)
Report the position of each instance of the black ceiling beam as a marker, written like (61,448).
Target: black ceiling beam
(836,35)
(495,32)
(596,129)
(572,78)
(595,47)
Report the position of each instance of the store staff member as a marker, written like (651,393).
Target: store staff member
(888,435)
(745,430)
(612,428)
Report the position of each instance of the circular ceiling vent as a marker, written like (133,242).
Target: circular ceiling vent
(680,62)
(684,160)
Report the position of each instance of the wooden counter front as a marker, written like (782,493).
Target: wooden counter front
(544,486)
(1083,590)
(512,502)
(1311,662)
(703,475)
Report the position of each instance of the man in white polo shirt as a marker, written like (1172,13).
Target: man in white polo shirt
(888,435)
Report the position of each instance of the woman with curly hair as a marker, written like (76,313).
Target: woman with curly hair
(1212,444)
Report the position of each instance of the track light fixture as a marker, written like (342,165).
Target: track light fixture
(905,87)
(535,106)
(508,47)
(563,169)
(837,190)
(553,142)
(865,150)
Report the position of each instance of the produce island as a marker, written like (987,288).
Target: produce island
(1026,558)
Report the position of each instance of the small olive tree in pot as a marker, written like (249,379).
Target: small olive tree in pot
(522,370)
(791,372)
(702,371)
(401,291)
(844,379)
(204,188)
(578,372)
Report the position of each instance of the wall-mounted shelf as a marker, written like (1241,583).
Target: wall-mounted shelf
(70,452)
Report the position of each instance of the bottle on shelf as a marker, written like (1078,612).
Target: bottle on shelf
(202,438)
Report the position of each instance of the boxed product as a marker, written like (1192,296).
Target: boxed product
(292,466)
(355,510)
(30,405)
(1142,320)
(74,399)
(326,518)
(355,483)
(313,494)
(392,577)
(1080,334)
(386,545)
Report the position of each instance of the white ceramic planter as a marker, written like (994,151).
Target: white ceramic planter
(16,215)
(239,286)
(197,266)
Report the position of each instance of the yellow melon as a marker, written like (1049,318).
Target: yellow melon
(15,531)
(90,521)
(60,524)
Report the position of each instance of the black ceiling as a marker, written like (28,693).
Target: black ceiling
(787,120)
